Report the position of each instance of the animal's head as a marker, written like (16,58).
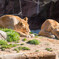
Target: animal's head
(23,26)
(16,23)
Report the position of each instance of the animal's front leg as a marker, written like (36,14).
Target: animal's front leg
(23,35)
(46,33)
(32,35)
(56,32)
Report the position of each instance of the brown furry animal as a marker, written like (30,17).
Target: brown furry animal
(15,23)
(50,28)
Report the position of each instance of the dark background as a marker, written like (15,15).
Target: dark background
(36,12)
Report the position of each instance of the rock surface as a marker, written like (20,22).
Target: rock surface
(36,55)
(37,13)
(3,35)
(32,53)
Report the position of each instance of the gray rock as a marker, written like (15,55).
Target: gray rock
(3,35)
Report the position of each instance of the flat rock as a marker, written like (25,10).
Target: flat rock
(32,54)
(37,55)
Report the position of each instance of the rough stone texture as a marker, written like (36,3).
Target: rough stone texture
(32,54)
(29,56)
(3,35)
(13,6)
(9,7)
(29,8)
(37,13)
(2,2)
(56,11)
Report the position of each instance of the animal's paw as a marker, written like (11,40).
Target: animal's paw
(32,35)
(52,36)
(28,36)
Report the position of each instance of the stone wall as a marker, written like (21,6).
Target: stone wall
(37,13)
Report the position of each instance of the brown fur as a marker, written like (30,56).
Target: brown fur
(50,28)
(16,23)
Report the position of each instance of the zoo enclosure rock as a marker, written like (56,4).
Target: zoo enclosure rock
(37,55)
(47,9)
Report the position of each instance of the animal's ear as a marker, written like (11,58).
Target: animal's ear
(26,19)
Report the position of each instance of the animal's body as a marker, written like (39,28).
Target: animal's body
(16,23)
(50,28)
